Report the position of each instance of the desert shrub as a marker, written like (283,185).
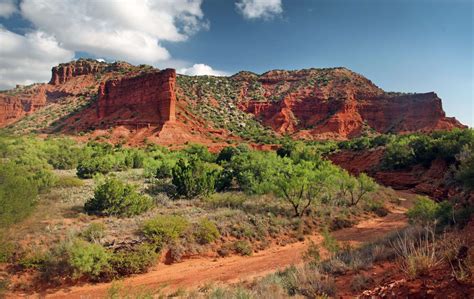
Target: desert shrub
(63,153)
(243,247)
(200,152)
(164,228)
(424,210)
(206,232)
(226,154)
(226,200)
(133,261)
(165,169)
(114,197)
(398,154)
(194,177)
(88,167)
(18,193)
(68,181)
(94,232)
(87,259)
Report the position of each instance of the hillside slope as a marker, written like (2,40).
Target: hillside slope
(137,104)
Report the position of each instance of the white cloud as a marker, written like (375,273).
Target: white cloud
(26,59)
(128,30)
(255,9)
(200,70)
(7,8)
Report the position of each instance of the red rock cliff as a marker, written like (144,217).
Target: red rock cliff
(148,97)
(337,103)
(64,72)
(15,105)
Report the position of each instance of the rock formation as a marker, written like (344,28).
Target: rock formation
(337,103)
(150,97)
(21,102)
(311,103)
(64,72)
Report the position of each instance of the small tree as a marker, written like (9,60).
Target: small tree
(194,177)
(114,197)
(361,188)
(298,184)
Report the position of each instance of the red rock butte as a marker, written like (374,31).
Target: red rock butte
(149,97)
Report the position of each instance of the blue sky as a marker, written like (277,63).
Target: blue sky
(401,45)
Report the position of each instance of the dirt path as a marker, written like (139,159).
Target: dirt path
(197,272)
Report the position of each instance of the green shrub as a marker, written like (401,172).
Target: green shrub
(424,210)
(137,260)
(88,259)
(194,177)
(398,155)
(206,232)
(18,193)
(114,197)
(164,228)
(68,181)
(243,247)
(88,167)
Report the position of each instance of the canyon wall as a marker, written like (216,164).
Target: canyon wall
(148,97)
(21,102)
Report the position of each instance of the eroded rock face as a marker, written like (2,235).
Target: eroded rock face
(64,72)
(149,97)
(16,105)
(338,103)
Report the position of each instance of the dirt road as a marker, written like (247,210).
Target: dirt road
(197,272)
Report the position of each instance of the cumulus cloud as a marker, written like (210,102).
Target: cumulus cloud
(200,69)
(125,30)
(25,59)
(131,30)
(7,8)
(255,9)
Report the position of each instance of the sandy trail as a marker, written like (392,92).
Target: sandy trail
(196,272)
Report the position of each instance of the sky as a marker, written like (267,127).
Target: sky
(401,45)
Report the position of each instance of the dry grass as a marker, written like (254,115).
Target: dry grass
(417,255)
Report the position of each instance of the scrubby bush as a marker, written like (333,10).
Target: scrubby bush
(18,193)
(88,259)
(94,232)
(113,197)
(133,261)
(68,181)
(424,210)
(194,177)
(88,167)
(206,232)
(243,247)
(164,228)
